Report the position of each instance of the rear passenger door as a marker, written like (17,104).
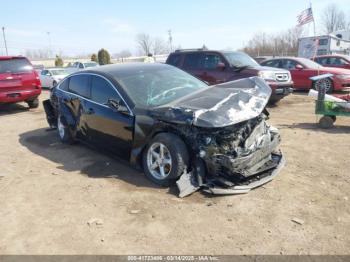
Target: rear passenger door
(76,102)
(192,64)
(107,127)
(211,72)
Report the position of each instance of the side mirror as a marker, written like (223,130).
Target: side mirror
(221,66)
(299,67)
(117,105)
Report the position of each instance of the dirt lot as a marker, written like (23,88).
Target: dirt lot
(59,199)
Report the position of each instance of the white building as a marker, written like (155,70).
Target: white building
(335,43)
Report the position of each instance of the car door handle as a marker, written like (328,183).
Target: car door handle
(90,111)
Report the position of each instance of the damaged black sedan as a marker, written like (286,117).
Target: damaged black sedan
(174,126)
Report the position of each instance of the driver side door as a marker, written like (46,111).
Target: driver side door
(108,128)
(300,76)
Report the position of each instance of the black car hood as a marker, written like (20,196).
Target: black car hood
(218,106)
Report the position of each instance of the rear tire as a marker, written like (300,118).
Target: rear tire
(33,103)
(174,159)
(64,132)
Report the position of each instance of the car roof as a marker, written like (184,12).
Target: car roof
(55,68)
(188,51)
(334,55)
(11,57)
(116,69)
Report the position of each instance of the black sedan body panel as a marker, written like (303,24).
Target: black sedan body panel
(231,147)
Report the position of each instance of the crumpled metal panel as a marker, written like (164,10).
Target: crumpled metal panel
(221,105)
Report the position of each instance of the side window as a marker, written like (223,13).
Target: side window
(64,85)
(80,85)
(288,64)
(211,61)
(334,61)
(193,61)
(337,61)
(321,60)
(81,65)
(343,61)
(174,59)
(101,90)
(271,63)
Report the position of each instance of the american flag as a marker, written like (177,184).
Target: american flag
(305,17)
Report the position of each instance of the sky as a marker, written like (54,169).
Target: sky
(82,27)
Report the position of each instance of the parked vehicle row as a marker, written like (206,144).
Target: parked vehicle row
(302,69)
(50,77)
(215,67)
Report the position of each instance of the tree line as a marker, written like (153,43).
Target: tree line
(286,43)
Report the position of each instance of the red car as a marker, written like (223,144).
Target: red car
(302,69)
(339,61)
(18,81)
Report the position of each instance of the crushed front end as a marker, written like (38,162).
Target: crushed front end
(234,149)
(241,157)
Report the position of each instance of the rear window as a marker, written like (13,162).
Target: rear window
(15,65)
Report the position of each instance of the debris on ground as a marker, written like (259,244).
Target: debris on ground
(298,221)
(95,221)
(135,211)
(54,174)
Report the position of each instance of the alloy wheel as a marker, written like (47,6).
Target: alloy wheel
(159,161)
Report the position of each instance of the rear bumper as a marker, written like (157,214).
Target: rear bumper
(19,95)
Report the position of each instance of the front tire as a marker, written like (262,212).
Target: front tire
(165,158)
(33,103)
(327,82)
(64,133)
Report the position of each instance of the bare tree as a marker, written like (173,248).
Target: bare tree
(281,44)
(145,43)
(123,54)
(333,19)
(159,46)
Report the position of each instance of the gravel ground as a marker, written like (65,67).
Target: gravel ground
(60,199)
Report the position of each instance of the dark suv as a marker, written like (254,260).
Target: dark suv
(215,67)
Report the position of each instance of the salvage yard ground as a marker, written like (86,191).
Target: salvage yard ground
(60,199)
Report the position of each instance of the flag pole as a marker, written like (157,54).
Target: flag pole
(313,19)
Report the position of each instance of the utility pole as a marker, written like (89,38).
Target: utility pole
(170,40)
(50,48)
(3,34)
